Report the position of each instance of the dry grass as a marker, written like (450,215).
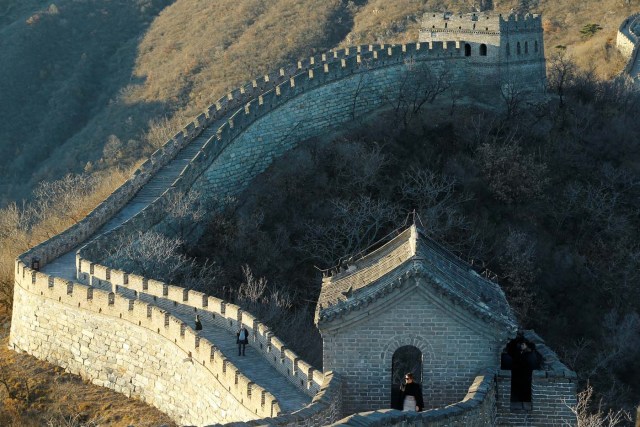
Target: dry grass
(61,398)
(195,51)
(380,21)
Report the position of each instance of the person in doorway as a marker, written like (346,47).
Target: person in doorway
(198,323)
(411,394)
(242,340)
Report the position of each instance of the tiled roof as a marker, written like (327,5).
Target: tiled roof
(412,253)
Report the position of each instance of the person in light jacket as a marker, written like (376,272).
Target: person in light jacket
(242,339)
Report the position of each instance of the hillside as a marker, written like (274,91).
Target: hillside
(99,71)
(97,85)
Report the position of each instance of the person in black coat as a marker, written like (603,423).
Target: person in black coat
(198,323)
(411,393)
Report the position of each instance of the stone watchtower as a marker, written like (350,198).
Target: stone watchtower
(510,47)
(412,306)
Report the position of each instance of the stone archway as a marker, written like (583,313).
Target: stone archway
(406,359)
(402,354)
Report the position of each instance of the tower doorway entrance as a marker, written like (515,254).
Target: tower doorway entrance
(406,359)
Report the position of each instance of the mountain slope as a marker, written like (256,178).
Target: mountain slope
(81,80)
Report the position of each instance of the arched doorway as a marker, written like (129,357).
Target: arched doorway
(467,49)
(483,49)
(405,359)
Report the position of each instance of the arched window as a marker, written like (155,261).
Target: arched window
(446,24)
(526,48)
(518,51)
(535,46)
(467,49)
(508,50)
(405,359)
(483,49)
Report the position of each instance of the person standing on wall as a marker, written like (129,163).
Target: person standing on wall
(198,323)
(411,394)
(242,339)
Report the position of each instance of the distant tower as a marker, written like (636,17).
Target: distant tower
(509,48)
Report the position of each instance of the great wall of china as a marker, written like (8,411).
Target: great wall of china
(134,335)
(627,43)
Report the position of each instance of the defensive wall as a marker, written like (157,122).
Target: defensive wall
(513,46)
(488,400)
(118,338)
(627,40)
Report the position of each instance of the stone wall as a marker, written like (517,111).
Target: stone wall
(627,39)
(553,393)
(134,348)
(142,351)
(258,121)
(455,346)
(224,314)
(477,408)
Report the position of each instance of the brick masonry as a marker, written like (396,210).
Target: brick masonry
(256,123)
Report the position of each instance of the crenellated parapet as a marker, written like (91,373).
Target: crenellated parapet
(151,320)
(223,313)
(477,408)
(479,22)
(115,339)
(627,40)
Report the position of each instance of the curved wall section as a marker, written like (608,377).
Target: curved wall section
(115,341)
(132,347)
(627,40)
(313,111)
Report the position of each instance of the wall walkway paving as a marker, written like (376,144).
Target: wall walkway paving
(628,41)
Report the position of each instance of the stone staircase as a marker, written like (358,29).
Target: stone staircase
(254,366)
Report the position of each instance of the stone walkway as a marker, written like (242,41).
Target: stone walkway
(632,29)
(254,366)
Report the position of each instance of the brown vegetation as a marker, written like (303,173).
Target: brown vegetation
(100,72)
(547,204)
(35,393)
(91,97)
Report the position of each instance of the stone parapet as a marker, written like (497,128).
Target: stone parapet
(224,314)
(234,114)
(477,408)
(627,39)
(49,296)
(553,392)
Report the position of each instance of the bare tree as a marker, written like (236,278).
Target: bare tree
(56,201)
(155,255)
(561,73)
(519,264)
(356,225)
(589,416)
(435,198)
(511,174)
(419,84)
(185,213)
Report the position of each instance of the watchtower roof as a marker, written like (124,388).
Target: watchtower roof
(412,253)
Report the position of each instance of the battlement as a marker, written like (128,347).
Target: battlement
(628,40)
(224,314)
(480,22)
(317,93)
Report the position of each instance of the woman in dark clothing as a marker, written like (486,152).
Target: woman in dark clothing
(198,323)
(411,395)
